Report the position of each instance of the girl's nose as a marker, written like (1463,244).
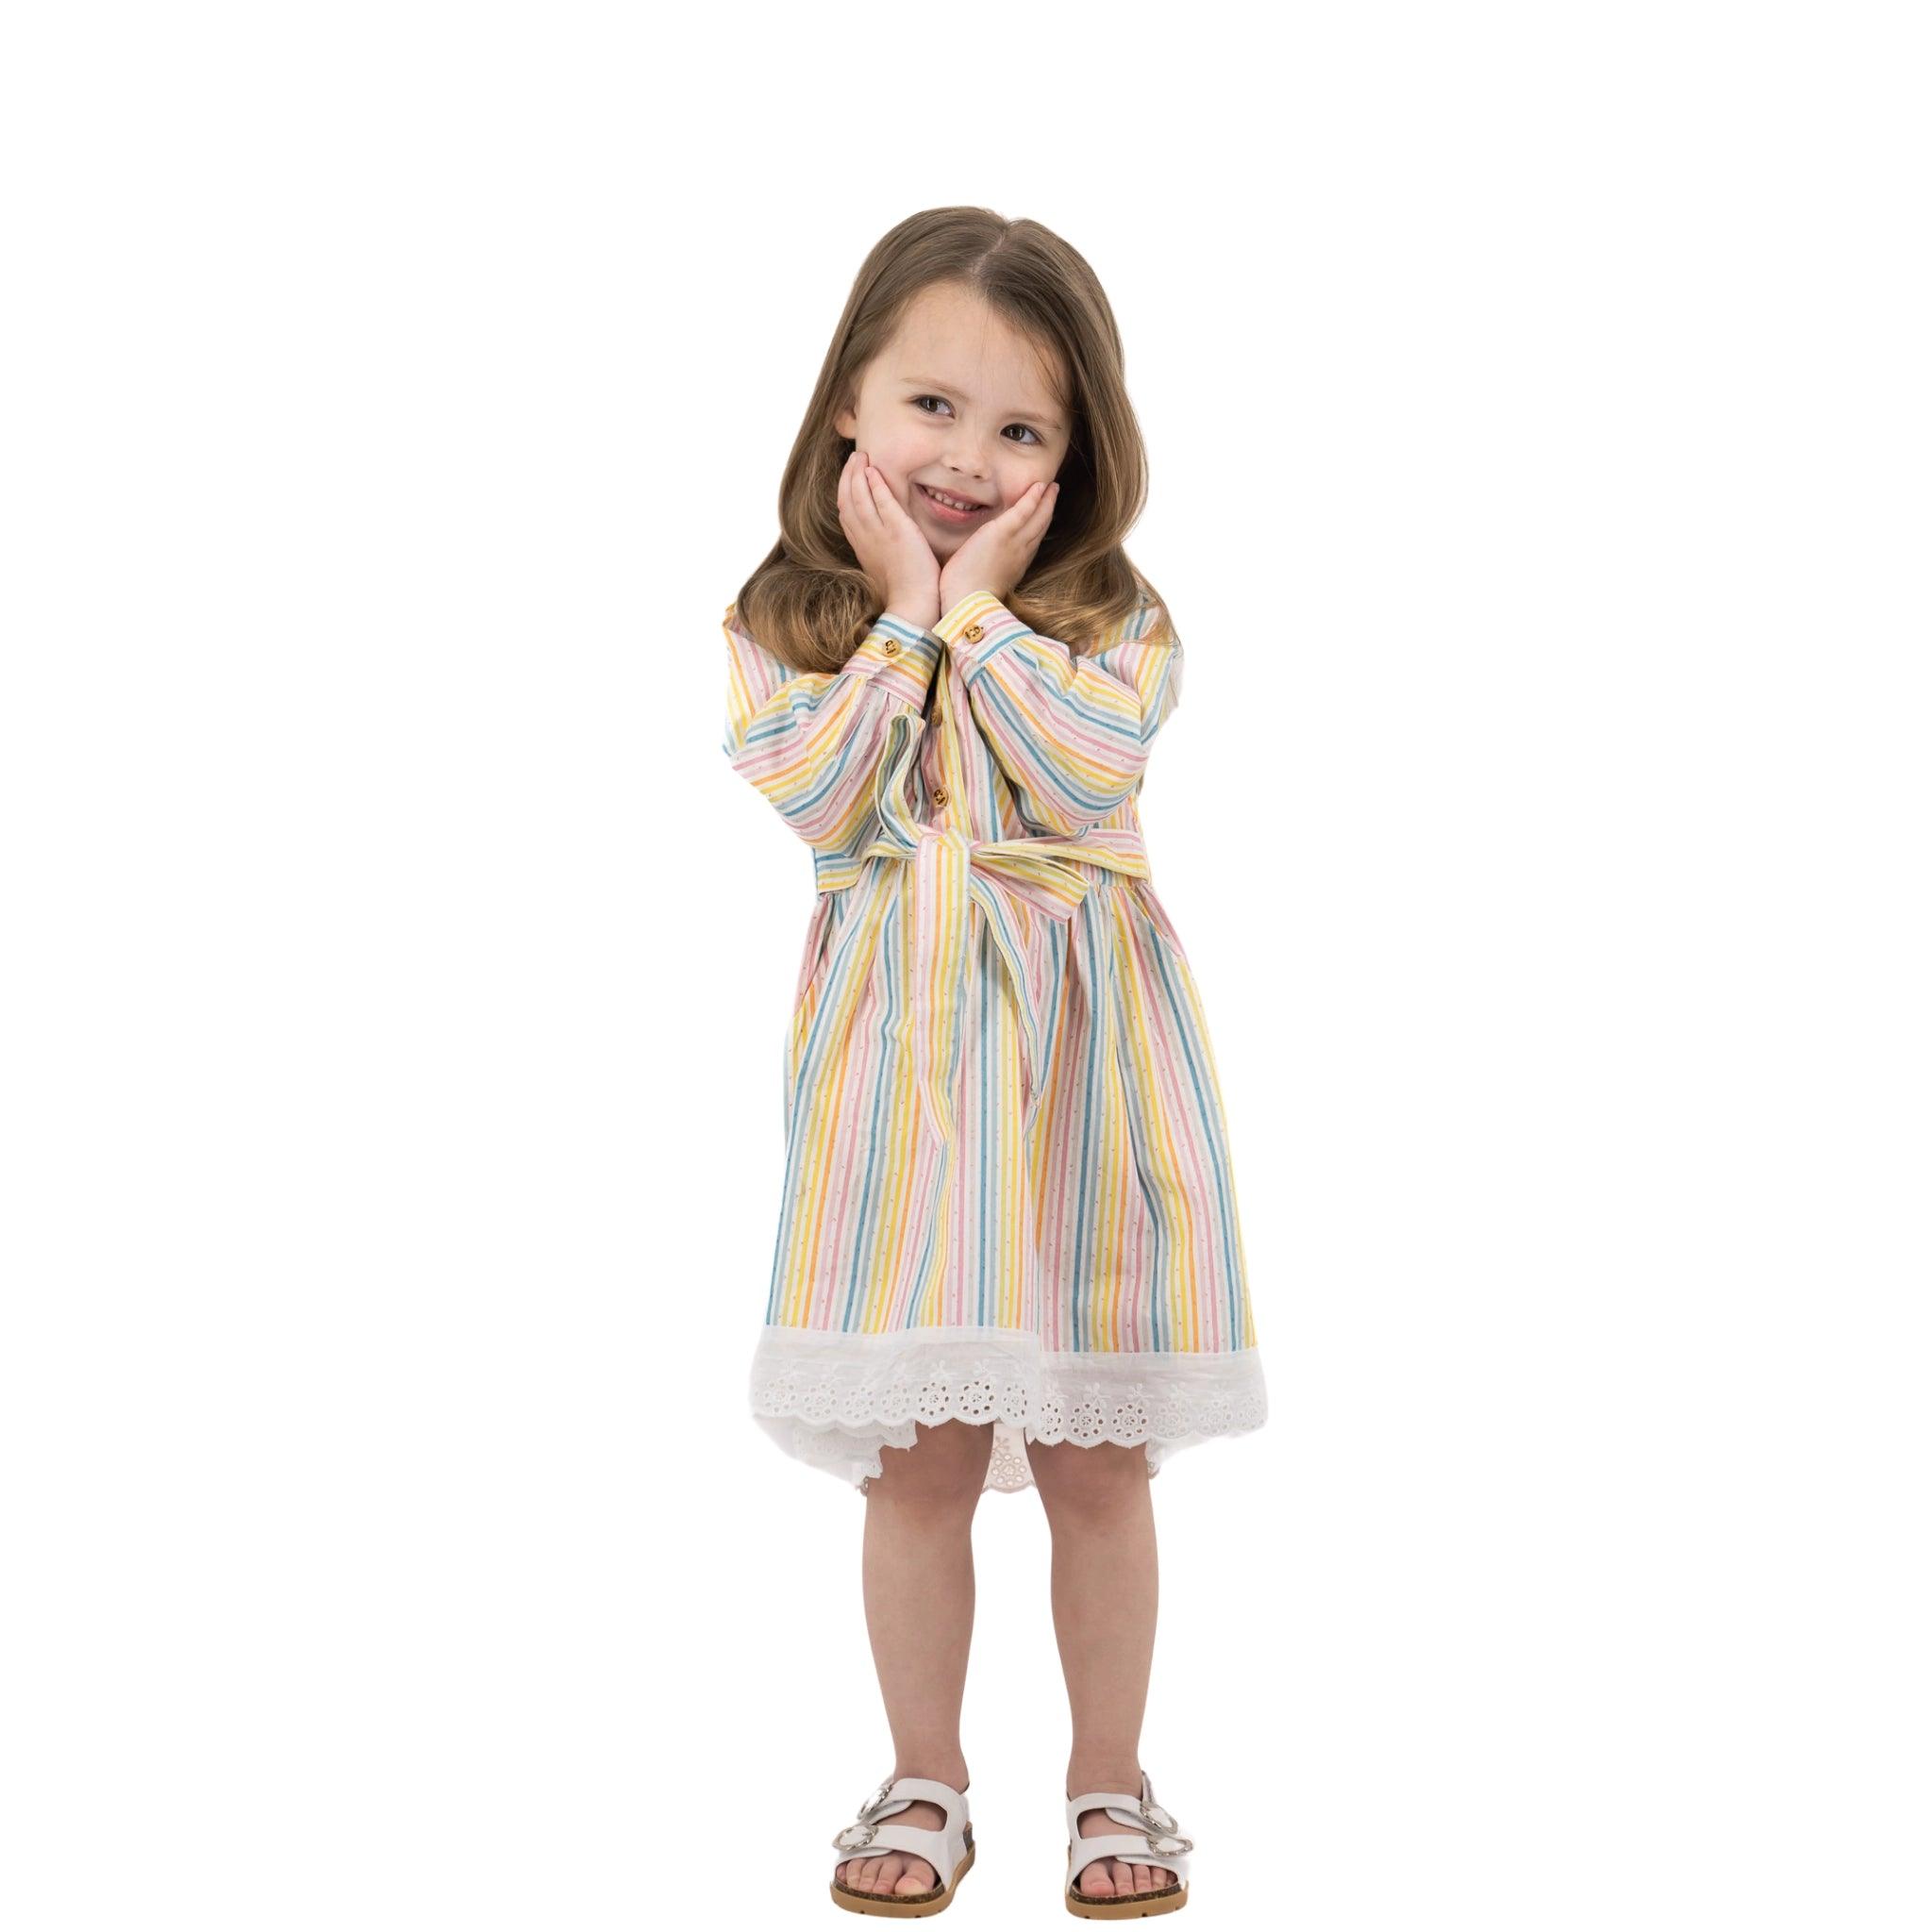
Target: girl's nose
(966,459)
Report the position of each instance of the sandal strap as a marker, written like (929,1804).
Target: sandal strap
(1132,1812)
(951,1802)
(1130,1851)
(933,1846)
(1118,1806)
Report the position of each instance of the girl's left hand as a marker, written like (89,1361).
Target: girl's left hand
(997,555)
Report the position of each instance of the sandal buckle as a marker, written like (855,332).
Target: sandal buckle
(1166,1825)
(865,1822)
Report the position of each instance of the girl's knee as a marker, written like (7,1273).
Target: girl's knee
(947,1461)
(1099,1478)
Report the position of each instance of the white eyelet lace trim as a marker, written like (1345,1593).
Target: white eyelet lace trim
(833,1400)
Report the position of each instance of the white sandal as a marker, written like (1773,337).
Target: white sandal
(1156,1839)
(950,1850)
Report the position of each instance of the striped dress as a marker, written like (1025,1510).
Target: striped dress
(1008,1193)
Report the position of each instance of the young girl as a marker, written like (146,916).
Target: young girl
(1008,1249)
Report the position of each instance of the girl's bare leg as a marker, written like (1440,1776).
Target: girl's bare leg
(918,1575)
(1104,1598)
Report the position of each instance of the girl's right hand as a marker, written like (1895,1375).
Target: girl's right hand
(890,548)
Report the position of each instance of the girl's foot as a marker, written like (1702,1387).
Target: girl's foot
(1115,1877)
(895,1873)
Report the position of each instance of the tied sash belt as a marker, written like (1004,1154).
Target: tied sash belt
(1015,885)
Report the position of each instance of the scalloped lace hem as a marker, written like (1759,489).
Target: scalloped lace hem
(833,1400)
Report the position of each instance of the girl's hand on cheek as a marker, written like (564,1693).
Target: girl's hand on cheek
(997,555)
(890,548)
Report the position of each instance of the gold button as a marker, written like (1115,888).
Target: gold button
(939,794)
(891,647)
(973,633)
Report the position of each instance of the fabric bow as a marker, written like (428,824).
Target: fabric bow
(1016,885)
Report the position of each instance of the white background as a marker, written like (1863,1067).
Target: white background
(396,972)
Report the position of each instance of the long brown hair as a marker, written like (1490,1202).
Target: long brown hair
(809,603)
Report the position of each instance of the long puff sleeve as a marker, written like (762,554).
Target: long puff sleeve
(1069,731)
(811,740)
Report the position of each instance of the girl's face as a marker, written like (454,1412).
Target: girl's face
(956,402)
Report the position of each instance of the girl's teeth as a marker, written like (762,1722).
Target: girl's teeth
(950,502)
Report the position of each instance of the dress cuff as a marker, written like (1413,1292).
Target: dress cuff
(898,657)
(975,628)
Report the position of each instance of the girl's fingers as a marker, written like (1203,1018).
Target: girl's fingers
(863,496)
(858,514)
(882,493)
(1043,501)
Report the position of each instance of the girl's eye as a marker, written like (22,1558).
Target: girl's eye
(917,401)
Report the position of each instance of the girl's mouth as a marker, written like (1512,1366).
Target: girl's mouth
(946,512)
